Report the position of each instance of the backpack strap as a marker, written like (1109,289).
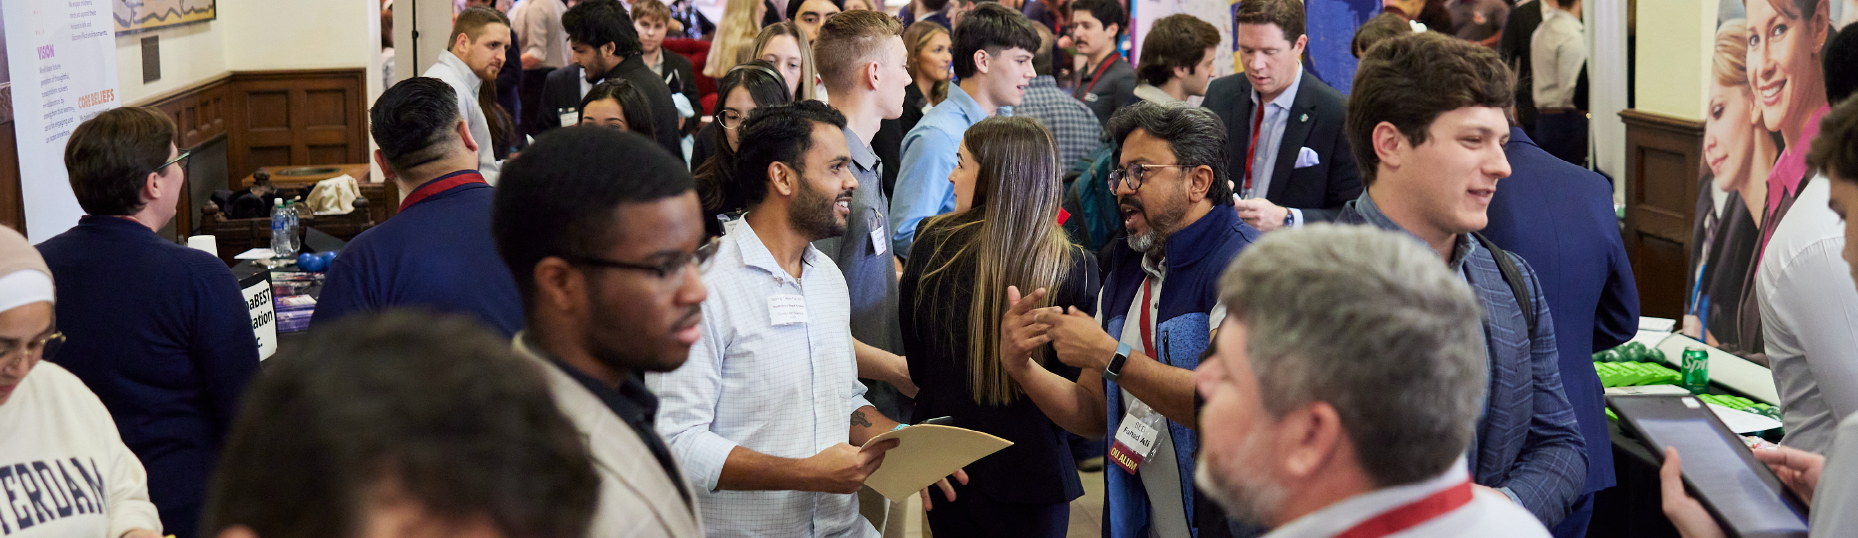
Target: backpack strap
(1514,276)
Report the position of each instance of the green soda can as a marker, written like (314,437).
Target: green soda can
(1696,370)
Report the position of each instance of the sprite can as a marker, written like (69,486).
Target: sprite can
(1696,370)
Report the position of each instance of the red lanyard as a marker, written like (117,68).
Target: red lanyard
(1251,150)
(1412,514)
(423,192)
(1114,56)
(1148,339)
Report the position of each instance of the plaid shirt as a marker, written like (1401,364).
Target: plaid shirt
(1072,123)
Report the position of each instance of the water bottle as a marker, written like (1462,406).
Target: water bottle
(283,230)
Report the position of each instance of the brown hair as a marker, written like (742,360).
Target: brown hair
(650,9)
(916,39)
(849,40)
(109,158)
(1286,14)
(1178,40)
(1015,240)
(1835,150)
(1410,80)
(471,22)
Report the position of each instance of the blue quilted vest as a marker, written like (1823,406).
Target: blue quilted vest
(1196,257)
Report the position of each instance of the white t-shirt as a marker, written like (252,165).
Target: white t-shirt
(64,471)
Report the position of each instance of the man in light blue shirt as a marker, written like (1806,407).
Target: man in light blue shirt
(993,60)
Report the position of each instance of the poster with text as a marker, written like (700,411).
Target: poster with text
(62,55)
(1767,94)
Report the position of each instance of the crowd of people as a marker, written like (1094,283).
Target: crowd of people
(624,308)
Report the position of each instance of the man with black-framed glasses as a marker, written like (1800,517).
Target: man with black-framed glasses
(160,332)
(1155,317)
(604,236)
(436,253)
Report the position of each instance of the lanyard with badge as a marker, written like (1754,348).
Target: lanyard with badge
(1143,426)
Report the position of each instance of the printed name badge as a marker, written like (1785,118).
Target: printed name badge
(787,309)
(880,242)
(1137,438)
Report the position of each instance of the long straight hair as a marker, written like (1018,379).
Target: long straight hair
(807,72)
(1018,241)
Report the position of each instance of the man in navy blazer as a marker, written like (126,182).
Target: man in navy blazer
(1560,218)
(1301,169)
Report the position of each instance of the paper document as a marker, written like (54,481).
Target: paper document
(926,453)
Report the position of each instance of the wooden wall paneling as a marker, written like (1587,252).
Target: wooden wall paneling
(1663,168)
(302,117)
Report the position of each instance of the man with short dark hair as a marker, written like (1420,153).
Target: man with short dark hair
(159,331)
(603,233)
(472,57)
(436,253)
(1154,318)
(605,45)
(1290,161)
(402,421)
(755,415)
(1177,59)
(1426,121)
(993,60)
(1330,416)
(1108,81)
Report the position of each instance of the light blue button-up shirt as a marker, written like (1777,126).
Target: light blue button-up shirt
(930,152)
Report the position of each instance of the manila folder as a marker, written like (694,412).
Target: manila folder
(924,454)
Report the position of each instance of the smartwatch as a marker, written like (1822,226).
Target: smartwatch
(1115,368)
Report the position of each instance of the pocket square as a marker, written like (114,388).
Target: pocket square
(1306,158)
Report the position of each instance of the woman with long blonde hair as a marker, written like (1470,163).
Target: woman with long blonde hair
(1004,232)
(785,46)
(734,41)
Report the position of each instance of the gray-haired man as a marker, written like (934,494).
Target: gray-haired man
(1326,413)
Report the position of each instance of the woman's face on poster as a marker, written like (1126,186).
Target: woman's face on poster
(1729,135)
(1783,57)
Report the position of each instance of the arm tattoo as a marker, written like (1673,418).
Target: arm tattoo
(859,420)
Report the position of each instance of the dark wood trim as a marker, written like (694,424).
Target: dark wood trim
(1664,164)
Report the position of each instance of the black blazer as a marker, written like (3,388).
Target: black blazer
(1038,468)
(563,90)
(1316,122)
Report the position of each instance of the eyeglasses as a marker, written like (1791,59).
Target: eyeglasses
(674,266)
(45,347)
(1135,174)
(182,158)
(731,118)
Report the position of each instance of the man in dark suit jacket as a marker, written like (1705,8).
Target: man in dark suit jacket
(605,46)
(1312,172)
(1560,218)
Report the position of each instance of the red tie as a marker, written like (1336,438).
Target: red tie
(1251,150)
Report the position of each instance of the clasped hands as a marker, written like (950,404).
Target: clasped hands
(1076,336)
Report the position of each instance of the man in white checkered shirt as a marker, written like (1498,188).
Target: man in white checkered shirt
(767,416)
(1071,122)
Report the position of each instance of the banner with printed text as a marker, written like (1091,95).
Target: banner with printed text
(62,59)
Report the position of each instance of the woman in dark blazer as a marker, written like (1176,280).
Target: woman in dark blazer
(1004,232)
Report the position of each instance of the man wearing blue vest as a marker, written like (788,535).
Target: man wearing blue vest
(1157,311)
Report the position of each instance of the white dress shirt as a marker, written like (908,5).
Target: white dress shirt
(1557,52)
(451,69)
(1264,160)
(1809,318)
(539,32)
(1488,514)
(784,390)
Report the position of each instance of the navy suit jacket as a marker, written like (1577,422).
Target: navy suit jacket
(1528,441)
(1560,218)
(1315,122)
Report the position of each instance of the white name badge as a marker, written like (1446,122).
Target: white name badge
(787,309)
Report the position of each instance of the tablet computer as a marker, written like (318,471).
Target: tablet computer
(1740,491)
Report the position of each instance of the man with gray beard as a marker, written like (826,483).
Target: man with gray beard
(1327,415)
(1156,314)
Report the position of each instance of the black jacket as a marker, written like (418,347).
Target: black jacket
(1316,122)
(563,90)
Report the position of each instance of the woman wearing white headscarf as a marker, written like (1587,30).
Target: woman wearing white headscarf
(63,467)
